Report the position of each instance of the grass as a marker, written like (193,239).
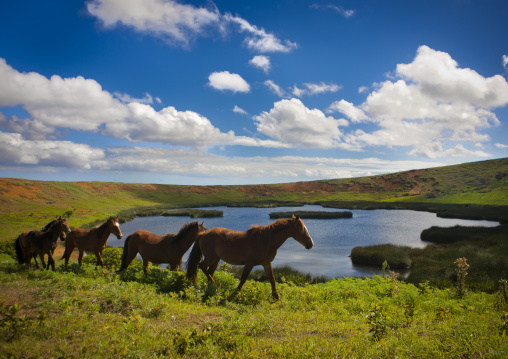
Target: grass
(83,312)
(486,251)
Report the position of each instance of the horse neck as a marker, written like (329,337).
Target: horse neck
(279,235)
(186,241)
(54,231)
(103,232)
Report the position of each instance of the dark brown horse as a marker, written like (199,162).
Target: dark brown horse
(25,250)
(256,246)
(41,242)
(91,240)
(160,249)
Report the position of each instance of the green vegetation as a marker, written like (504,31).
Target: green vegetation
(312,214)
(397,257)
(194,213)
(83,312)
(486,252)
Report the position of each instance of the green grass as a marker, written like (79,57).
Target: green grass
(88,313)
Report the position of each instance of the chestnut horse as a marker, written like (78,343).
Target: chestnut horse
(41,242)
(91,240)
(256,246)
(169,248)
(25,251)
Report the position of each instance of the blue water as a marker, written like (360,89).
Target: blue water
(333,238)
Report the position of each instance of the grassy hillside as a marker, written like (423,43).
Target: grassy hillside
(88,313)
(26,204)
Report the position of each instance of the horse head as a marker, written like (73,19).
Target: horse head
(301,234)
(63,227)
(115,227)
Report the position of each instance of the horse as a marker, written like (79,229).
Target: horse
(169,248)
(256,246)
(43,242)
(91,240)
(25,251)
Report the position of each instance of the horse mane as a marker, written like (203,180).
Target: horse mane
(100,227)
(269,229)
(182,232)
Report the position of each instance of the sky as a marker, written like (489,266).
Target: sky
(249,92)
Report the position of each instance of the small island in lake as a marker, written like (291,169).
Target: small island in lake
(194,213)
(312,214)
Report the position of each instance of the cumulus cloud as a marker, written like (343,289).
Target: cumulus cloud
(81,104)
(262,62)
(505,61)
(435,107)
(176,22)
(348,109)
(126,98)
(179,23)
(500,145)
(315,89)
(227,81)
(291,122)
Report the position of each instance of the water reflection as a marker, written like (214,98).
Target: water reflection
(333,238)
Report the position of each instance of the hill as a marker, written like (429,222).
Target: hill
(28,204)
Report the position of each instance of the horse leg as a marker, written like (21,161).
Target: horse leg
(41,256)
(99,259)
(246,271)
(204,268)
(213,267)
(145,265)
(80,257)
(69,247)
(51,261)
(269,273)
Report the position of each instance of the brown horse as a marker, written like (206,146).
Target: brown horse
(256,246)
(25,251)
(160,249)
(91,240)
(41,242)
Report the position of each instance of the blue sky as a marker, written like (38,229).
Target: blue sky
(246,92)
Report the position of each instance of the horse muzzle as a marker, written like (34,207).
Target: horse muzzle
(119,237)
(309,245)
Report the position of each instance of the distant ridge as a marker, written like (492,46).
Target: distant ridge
(26,204)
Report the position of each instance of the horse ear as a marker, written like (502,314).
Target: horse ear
(297,217)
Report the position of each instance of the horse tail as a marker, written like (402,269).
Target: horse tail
(124,253)
(69,247)
(193,261)
(19,251)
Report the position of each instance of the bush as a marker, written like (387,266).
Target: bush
(112,258)
(396,256)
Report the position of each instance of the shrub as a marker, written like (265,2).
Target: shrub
(396,256)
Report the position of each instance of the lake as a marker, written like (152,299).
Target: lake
(333,238)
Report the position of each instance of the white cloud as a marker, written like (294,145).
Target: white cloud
(180,23)
(348,109)
(505,61)
(82,105)
(290,122)
(175,22)
(260,40)
(126,98)
(500,145)
(227,81)
(240,110)
(344,12)
(55,156)
(262,62)
(276,89)
(435,108)
(315,89)
(60,154)
(363,89)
